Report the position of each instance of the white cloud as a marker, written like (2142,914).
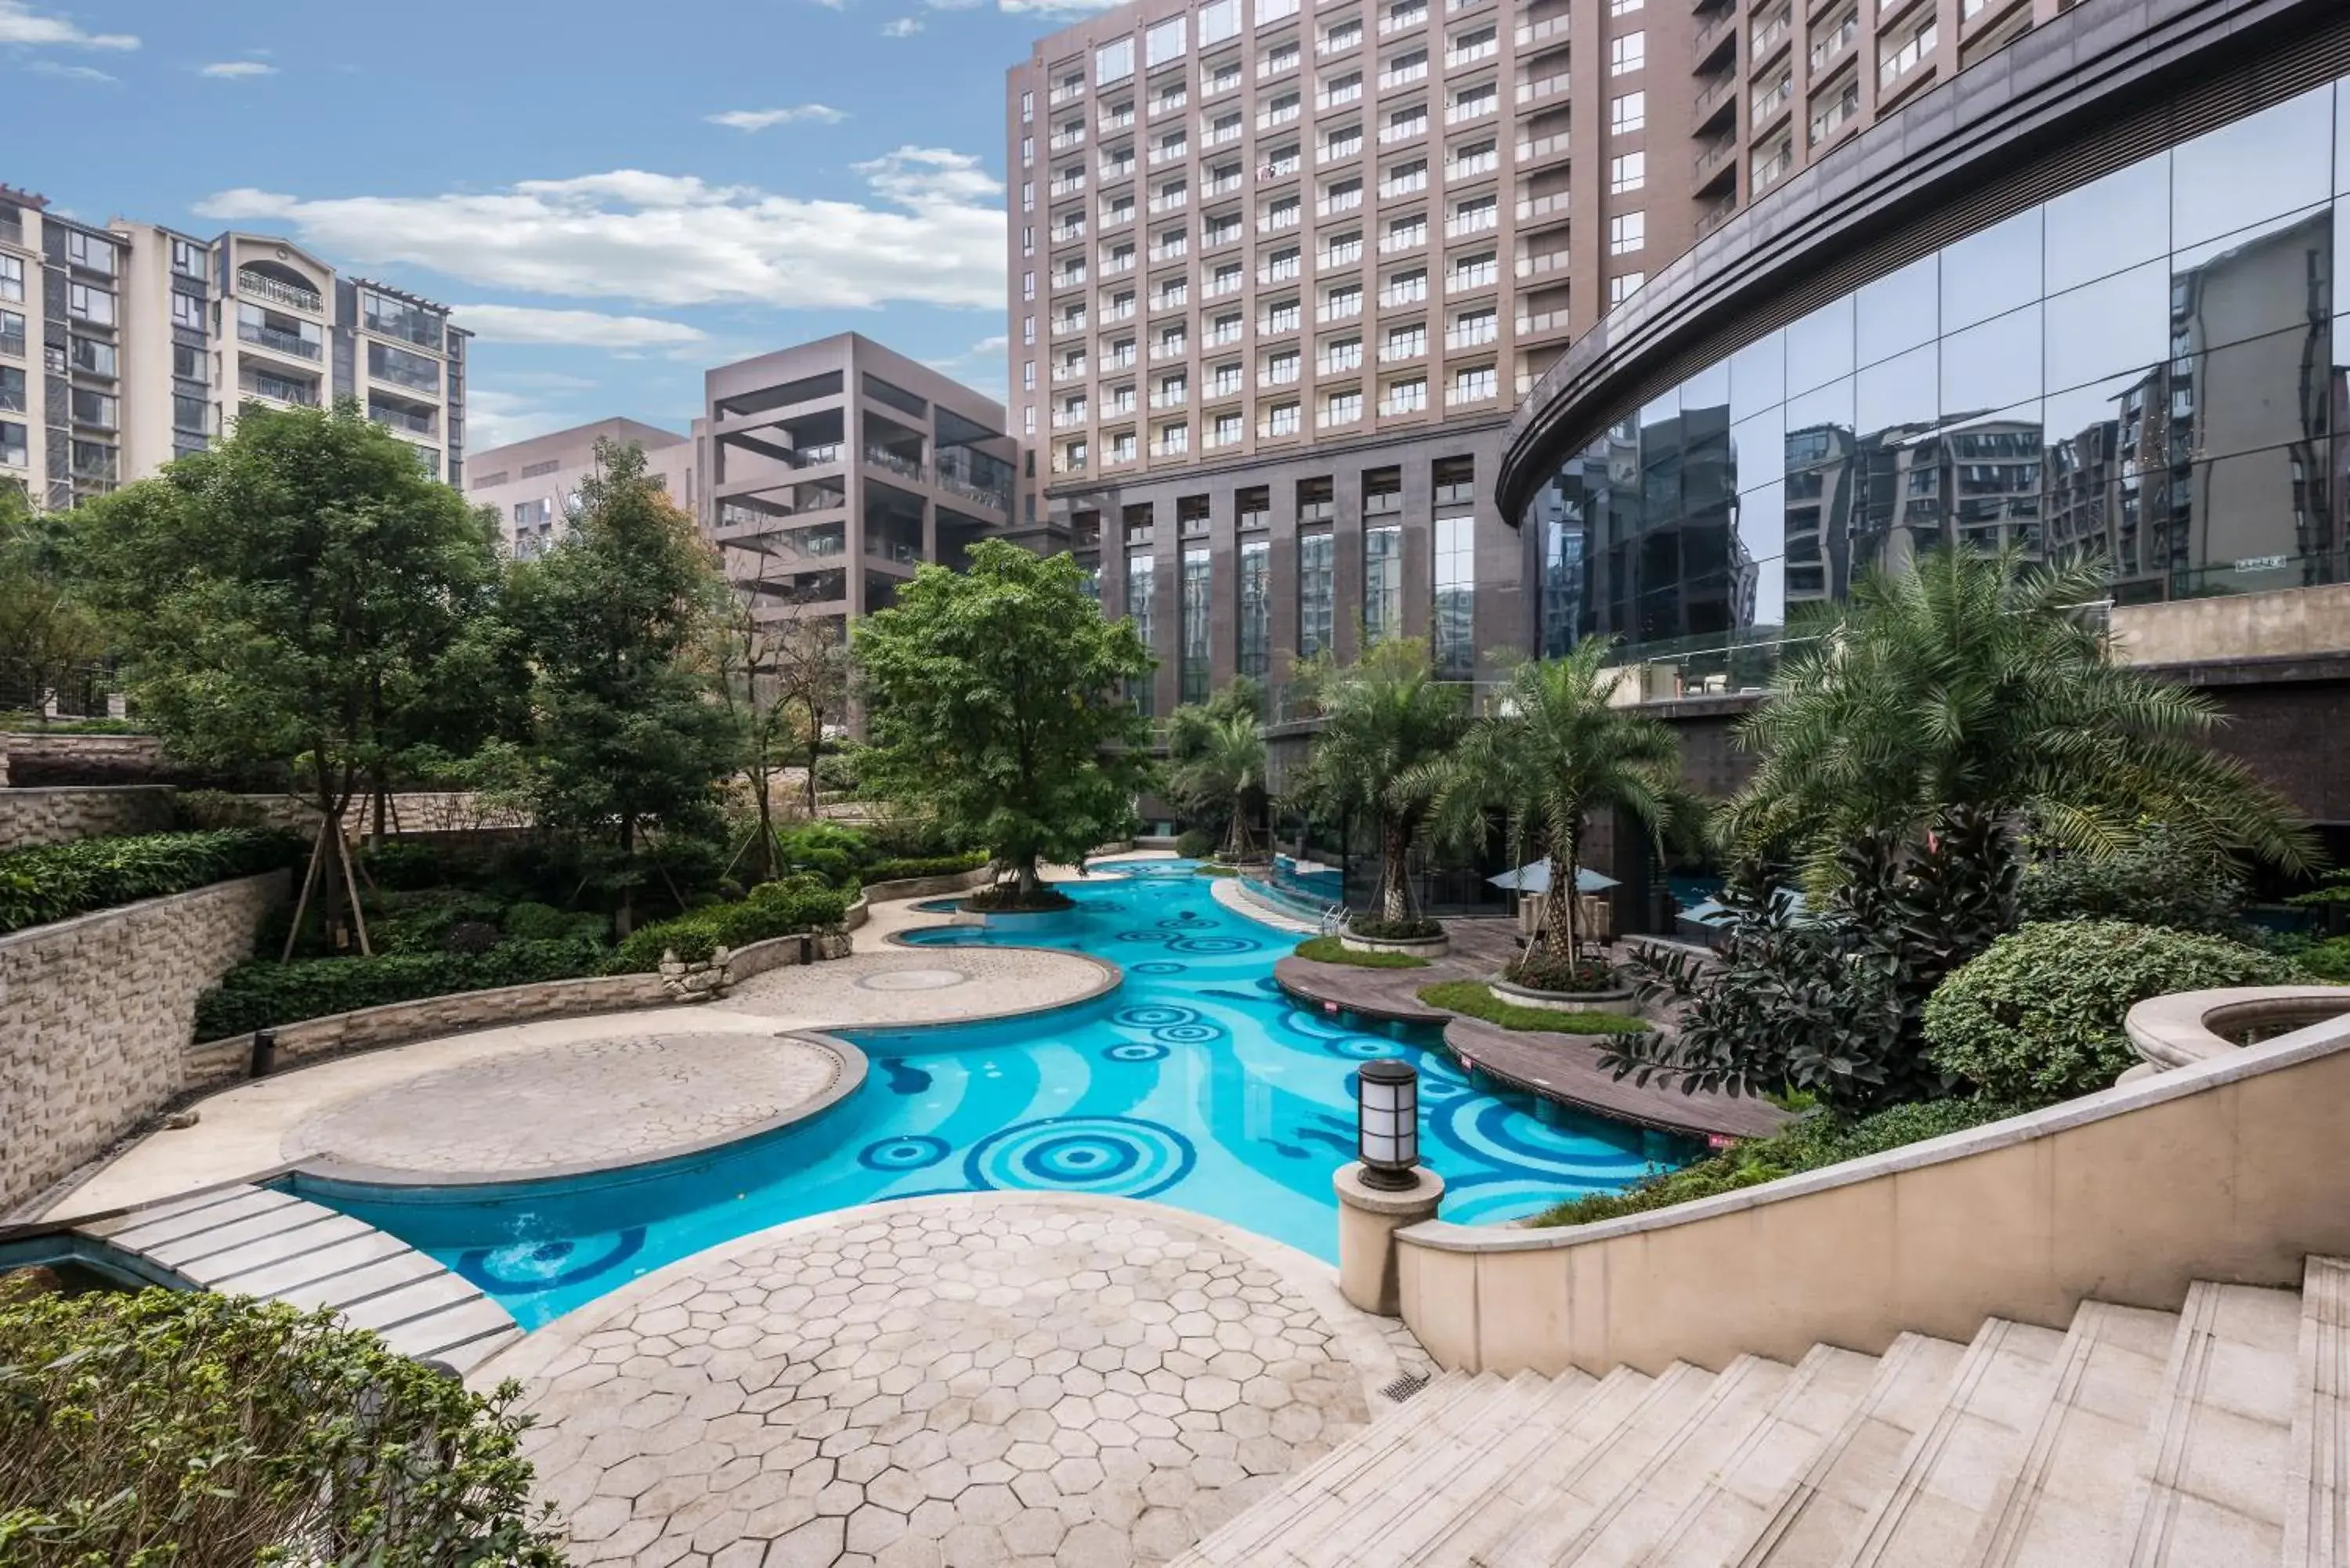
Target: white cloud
(1055,7)
(71,73)
(903,27)
(235,70)
(762,119)
(584,328)
(19,24)
(932,234)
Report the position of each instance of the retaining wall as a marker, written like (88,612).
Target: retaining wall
(95,1017)
(39,758)
(32,817)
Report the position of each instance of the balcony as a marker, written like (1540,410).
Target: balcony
(1117,122)
(1179,349)
(1542,89)
(1412,402)
(1339,307)
(1340,97)
(1718,94)
(1542,32)
(1117,217)
(1403,76)
(1279,115)
(1479,391)
(1066,93)
(1713,158)
(1350,255)
(1170,250)
(1171,298)
(1069,372)
(1401,294)
(1768,38)
(1121,311)
(1281,218)
(1071,419)
(1276,64)
(1281,428)
(1343,202)
(904,467)
(292,295)
(1541,265)
(1483,220)
(1770,103)
(1534,209)
(1170,103)
(1175,152)
(1227,79)
(1222,283)
(1542,148)
(1827,122)
(1123,360)
(1069,462)
(1340,363)
(1541,322)
(1211,189)
(1892,67)
(1472,166)
(1074,277)
(1403,22)
(278,341)
(1826,51)
(1171,396)
(1409,130)
(1338,43)
(1279,326)
(1468,55)
(1712,33)
(1063,140)
(1472,279)
(1170,202)
(1122,263)
(1391,245)
(1064,326)
(822,456)
(278,388)
(1170,445)
(1714,215)
(1403,185)
(1123,168)
(1478,331)
(1222,336)
(1399,351)
(1067,232)
(1281,375)
(1281,272)
(1217,239)
(1224,387)
(1769,171)
(1067,185)
(1472,109)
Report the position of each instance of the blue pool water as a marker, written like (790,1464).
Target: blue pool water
(1196,1083)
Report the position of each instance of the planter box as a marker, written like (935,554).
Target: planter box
(1615,1000)
(1414,947)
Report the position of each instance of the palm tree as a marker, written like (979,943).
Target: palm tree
(1974,680)
(1550,752)
(1215,751)
(1383,718)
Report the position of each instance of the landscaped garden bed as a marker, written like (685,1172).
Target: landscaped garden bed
(1331,949)
(1478,1000)
(1418,939)
(59,881)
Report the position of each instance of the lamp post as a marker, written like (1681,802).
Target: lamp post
(1386,1124)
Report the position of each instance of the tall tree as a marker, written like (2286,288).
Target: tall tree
(1975,680)
(47,630)
(303,595)
(812,675)
(629,730)
(1383,719)
(1216,761)
(1551,753)
(996,706)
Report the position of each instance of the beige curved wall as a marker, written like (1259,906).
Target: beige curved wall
(2231,1168)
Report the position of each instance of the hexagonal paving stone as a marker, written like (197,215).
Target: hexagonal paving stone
(926,1384)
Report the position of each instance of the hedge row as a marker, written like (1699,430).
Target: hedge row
(773,909)
(261,993)
(59,881)
(900,870)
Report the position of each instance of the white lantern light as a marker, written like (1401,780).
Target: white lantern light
(1386,1120)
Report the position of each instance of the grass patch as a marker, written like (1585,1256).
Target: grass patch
(1806,1145)
(1477,1000)
(1330,949)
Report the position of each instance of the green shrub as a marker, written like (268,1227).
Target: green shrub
(535,922)
(832,852)
(202,1430)
(1195,844)
(1371,929)
(1537,970)
(922,866)
(1477,1000)
(261,993)
(2163,879)
(2037,1016)
(423,921)
(2328,961)
(1330,949)
(771,909)
(837,772)
(59,881)
(1806,1145)
(209,810)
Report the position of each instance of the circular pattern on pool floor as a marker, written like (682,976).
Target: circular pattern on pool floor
(527,1268)
(1114,1157)
(907,1151)
(913,980)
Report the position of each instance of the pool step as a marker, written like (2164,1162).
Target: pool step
(254,1241)
(2131,1438)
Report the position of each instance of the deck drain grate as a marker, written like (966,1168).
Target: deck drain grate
(1404,1387)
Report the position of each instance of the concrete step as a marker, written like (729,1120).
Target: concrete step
(1485,1501)
(2064,1503)
(1356,1518)
(1242,1536)
(1576,1495)
(2317,1472)
(1728,1510)
(2212,1490)
(1956,1466)
(1734,1407)
(1815,1517)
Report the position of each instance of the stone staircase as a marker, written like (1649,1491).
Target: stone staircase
(2213,1436)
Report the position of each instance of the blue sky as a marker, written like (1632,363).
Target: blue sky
(615,196)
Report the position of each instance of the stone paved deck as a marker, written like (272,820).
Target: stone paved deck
(895,985)
(974,1379)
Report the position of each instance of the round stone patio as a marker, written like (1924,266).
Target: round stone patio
(972,1379)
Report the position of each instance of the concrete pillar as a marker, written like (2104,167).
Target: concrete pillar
(1369,1217)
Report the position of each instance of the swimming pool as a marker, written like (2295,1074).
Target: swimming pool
(1196,1083)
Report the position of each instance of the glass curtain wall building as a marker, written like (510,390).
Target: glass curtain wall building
(2149,366)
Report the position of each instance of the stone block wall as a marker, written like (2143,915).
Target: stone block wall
(36,757)
(95,1017)
(32,817)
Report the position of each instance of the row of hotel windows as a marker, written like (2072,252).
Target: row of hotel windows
(1478,386)
(1453,642)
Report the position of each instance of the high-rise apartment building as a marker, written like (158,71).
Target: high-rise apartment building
(1280,272)
(125,345)
(533,486)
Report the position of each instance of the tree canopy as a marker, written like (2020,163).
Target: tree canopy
(47,631)
(1976,681)
(1216,762)
(996,703)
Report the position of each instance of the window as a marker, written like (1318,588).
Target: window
(1270,11)
(187,310)
(187,361)
(1627,113)
(14,451)
(1343,143)
(1382,583)
(1228,429)
(90,253)
(1456,597)
(191,414)
(1282,420)
(1622,8)
(1476,272)
(12,333)
(94,358)
(12,278)
(1114,62)
(87,304)
(1282,317)
(1028,419)
(1256,609)
(1626,232)
(1028,152)
(1027,194)
(1624,285)
(1219,20)
(1406,342)
(1028,330)
(1027,106)
(1028,285)
(12,390)
(1406,397)
(1474,386)
(1138,608)
(1317,561)
(1197,607)
(1627,172)
(401,367)
(93,461)
(1164,41)
(96,409)
(187,259)
(1175,441)
(1627,54)
(1343,409)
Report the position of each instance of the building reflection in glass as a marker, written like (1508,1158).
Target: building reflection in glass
(2149,368)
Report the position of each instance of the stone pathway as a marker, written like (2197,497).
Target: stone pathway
(973,1379)
(921,985)
(587,1105)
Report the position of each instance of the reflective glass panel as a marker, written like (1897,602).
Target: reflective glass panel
(2261,166)
(1758,450)
(2120,324)
(1758,376)
(2258,393)
(2109,224)
(1819,346)
(1992,364)
(1988,273)
(2256,281)
(1763,521)
(1819,427)
(1899,312)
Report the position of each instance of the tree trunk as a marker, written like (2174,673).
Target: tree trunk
(331,897)
(816,755)
(766,866)
(1395,845)
(625,921)
(1559,906)
(1028,881)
